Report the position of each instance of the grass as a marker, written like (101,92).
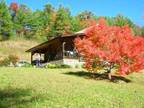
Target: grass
(67,88)
(17,47)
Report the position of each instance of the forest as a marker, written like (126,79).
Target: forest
(19,21)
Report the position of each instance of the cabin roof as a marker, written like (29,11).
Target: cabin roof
(47,43)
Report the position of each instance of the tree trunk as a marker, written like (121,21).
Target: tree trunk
(109,76)
(109,71)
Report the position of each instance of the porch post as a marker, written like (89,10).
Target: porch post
(32,57)
(63,49)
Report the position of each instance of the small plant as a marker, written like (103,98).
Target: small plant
(23,64)
(77,66)
(53,66)
(4,62)
(27,65)
(13,58)
(65,66)
(10,59)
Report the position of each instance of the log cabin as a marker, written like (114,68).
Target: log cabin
(59,50)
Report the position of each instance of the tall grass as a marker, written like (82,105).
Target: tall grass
(16,47)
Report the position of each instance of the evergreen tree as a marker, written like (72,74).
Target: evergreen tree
(49,17)
(23,21)
(47,13)
(121,20)
(6,25)
(75,24)
(142,31)
(37,31)
(62,22)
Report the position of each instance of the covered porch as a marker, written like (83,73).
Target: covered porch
(57,49)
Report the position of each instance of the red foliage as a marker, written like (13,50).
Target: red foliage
(114,45)
(14,6)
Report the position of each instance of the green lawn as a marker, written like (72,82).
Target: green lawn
(67,88)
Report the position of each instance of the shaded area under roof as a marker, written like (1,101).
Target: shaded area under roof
(47,43)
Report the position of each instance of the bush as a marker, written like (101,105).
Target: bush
(13,58)
(10,59)
(53,66)
(65,66)
(4,62)
(23,64)
(27,65)
(77,66)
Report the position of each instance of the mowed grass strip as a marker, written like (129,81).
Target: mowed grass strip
(56,88)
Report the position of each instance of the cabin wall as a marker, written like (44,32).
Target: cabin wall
(53,51)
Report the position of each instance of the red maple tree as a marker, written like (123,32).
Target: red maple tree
(111,47)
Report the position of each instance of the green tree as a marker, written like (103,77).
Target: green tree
(49,17)
(110,20)
(76,24)
(62,22)
(121,20)
(142,31)
(85,18)
(85,15)
(37,25)
(23,21)
(6,25)
(137,30)
(47,13)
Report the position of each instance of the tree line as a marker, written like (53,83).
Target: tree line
(19,21)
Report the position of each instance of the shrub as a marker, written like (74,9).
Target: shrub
(27,65)
(13,58)
(65,66)
(77,66)
(4,62)
(10,59)
(23,64)
(53,66)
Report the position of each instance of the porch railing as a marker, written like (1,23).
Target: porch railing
(71,55)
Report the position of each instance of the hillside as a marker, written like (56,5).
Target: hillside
(17,47)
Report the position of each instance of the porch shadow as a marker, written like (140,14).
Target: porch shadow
(16,98)
(99,76)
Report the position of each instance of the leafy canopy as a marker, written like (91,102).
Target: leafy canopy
(6,25)
(111,46)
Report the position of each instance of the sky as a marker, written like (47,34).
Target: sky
(133,9)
